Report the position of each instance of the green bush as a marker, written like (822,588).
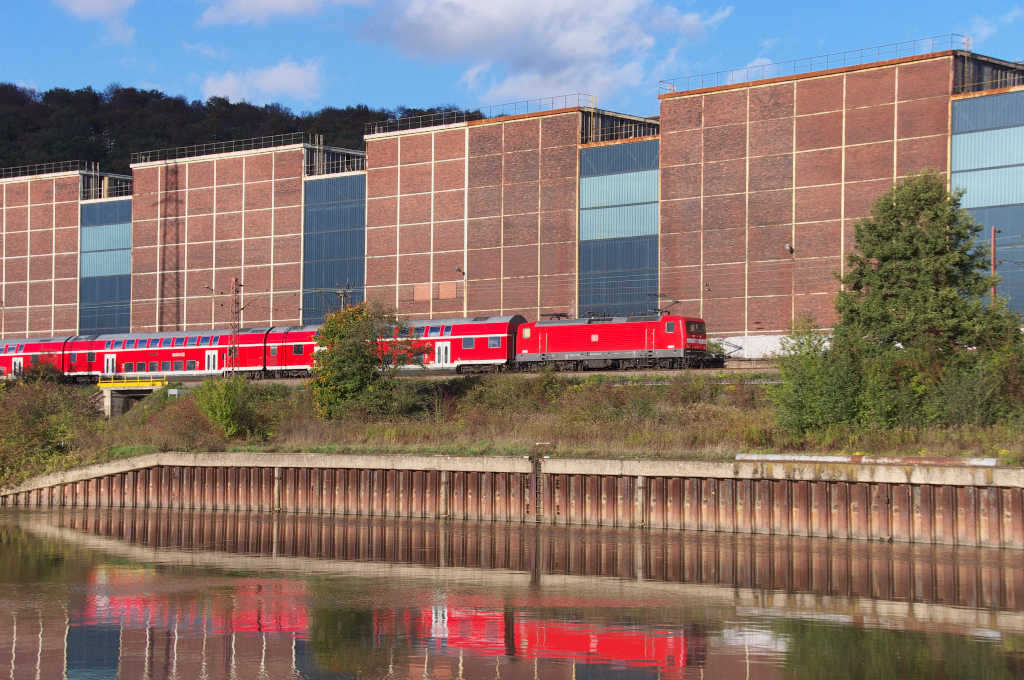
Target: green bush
(182,426)
(242,408)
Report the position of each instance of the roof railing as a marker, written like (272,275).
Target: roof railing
(564,101)
(825,62)
(218,147)
(49,168)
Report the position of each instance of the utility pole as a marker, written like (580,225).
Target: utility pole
(236,320)
(994,232)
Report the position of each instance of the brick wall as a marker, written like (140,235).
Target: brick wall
(202,222)
(496,199)
(747,169)
(39,226)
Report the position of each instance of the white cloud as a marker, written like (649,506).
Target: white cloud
(260,12)
(287,79)
(110,12)
(1012,15)
(520,49)
(981,29)
(206,51)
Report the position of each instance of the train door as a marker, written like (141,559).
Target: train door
(110,364)
(211,360)
(443,354)
(16,366)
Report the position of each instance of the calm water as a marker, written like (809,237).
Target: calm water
(136,594)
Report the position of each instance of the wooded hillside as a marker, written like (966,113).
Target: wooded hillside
(108,126)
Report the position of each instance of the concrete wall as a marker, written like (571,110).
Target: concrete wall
(749,168)
(39,225)
(199,222)
(495,198)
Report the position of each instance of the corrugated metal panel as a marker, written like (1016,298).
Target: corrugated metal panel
(616,158)
(986,112)
(619,254)
(988,149)
(348,188)
(334,274)
(107,212)
(106,263)
(105,318)
(96,289)
(618,293)
(621,189)
(106,237)
(315,305)
(619,222)
(1009,218)
(334,245)
(335,216)
(1002,186)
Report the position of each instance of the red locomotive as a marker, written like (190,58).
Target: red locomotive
(465,345)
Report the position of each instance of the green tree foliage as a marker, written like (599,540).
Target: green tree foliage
(919,278)
(359,349)
(108,126)
(236,404)
(917,342)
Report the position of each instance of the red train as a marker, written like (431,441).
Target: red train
(465,345)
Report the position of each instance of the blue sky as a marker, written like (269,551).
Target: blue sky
(308,54)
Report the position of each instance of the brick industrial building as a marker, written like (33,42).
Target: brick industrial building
(737,201)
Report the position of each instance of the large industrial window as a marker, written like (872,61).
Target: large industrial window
(618,228)
(105,260)
(334,245)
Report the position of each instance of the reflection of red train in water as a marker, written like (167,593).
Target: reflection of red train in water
(492,633)
(470,345)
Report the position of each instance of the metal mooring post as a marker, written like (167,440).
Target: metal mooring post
(537,459)
(277,489)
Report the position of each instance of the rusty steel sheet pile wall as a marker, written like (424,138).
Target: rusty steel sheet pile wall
(928,504)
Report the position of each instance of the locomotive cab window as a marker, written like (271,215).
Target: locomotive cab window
(695,327)
(526,332)
(670,326)
(273,351)
(494,341)
(468,343)
(297,350)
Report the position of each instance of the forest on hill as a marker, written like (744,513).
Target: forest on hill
(108,126)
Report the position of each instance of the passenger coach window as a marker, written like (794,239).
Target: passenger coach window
(204,341)
(494,341)
(179,365)
(670,327)
(434,331)
(447,330)
(91,356)
(296,350)
(179,342)
(192,342)
(152,366)
(21,348)
(129,367)
(117,344)
(273,351)
(468,343)
(35,359)
(165,365)
(190,365)
(107,346)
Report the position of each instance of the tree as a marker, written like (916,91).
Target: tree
(360,349)
(919,277)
